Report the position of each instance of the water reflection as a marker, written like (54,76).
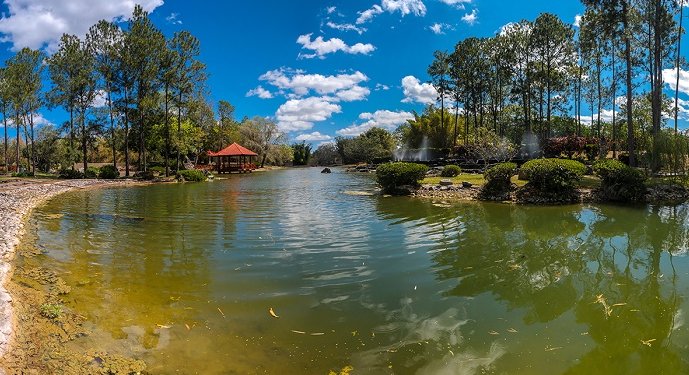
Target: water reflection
(389,285)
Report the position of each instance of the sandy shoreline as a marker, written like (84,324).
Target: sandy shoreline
(17,199)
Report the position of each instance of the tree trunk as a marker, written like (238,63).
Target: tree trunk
(112,125)
(18,136)
(454,139)
(33,142)
(71,136)
(6,144)
(614,104)
(631,146)
(179,129)
(679,44)
(167,132)
(126,133)
(84,140)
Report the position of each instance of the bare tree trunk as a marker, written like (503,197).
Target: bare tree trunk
(4,120)
(112,125)
(84,140)
(677,62)
(631,146)
(614,104)
(71,136)
(167,132)
(179,128)
(126,132)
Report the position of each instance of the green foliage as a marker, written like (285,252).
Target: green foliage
(91,172)
(302,153)
(325,154)
(553,175)
(498,178)
(375,145)
(451,171)
(157,170)
(145,175)
(391,176)
(192,175)
(620,182)
(51,311)
(69,174)
(109,172)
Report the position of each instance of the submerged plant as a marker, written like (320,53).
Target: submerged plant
(51,311)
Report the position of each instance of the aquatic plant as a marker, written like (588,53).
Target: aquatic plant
(51,311)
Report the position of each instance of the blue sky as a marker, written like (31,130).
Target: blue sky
(319,68)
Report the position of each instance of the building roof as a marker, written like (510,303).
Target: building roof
(234,149)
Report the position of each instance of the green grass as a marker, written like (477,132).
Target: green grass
(476,179)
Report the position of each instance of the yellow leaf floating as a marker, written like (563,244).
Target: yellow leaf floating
(648,342)
(272,313)
(512,330)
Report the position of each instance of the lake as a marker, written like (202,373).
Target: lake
(183,277)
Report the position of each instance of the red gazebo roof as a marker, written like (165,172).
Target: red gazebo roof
(234,149)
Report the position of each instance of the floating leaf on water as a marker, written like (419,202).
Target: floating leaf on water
(648,342)
(550,349)
(512,330)
(317,334)
(493,333)
(354,333)
(298,332)
(187,325)
(272,313)
(221,313)
(619,304)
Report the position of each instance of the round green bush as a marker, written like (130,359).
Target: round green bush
(451,171)
(620,182)
(157,170)
(391,176)
(552,175)
(108,172)
(500,175)
(69,174)
(191,175)
(91,172)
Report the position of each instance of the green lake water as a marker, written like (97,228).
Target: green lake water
(183,277)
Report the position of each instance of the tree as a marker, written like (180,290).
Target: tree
(302,153)
(262,136)
(23,74)
(325,155)
(439,71)
(105,40)
(4,102)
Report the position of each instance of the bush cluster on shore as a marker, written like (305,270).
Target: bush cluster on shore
(498,181)
(393,176)
(619,182)
(451,171)
(191,175)
(552,175)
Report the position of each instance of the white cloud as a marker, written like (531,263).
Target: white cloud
(173,18)
(314,137)
(100,100)
(417,7)
(459,4)
(605,116)
(301,114)
(380,86)
(577,20)
(440,28)
(417,92)
(471,18)
(38,120)
(41,23)
(382,119)
(405,7)
(353,94)
(331,10)
(302,84)
(345,27)
(369,14)
(260,92)
(670,78)
(321,47)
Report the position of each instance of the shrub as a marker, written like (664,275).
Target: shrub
(391,176)
(620,182)
(553,175)
(451,171)
(22,174)
(91,172)
(157,170)
(191,175)
(69,174)
(498,178)
(51,311)
(108,172)
(144,175)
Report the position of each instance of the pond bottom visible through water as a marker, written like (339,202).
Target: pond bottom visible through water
(181,278)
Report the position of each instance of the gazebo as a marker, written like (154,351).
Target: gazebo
(233,158)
